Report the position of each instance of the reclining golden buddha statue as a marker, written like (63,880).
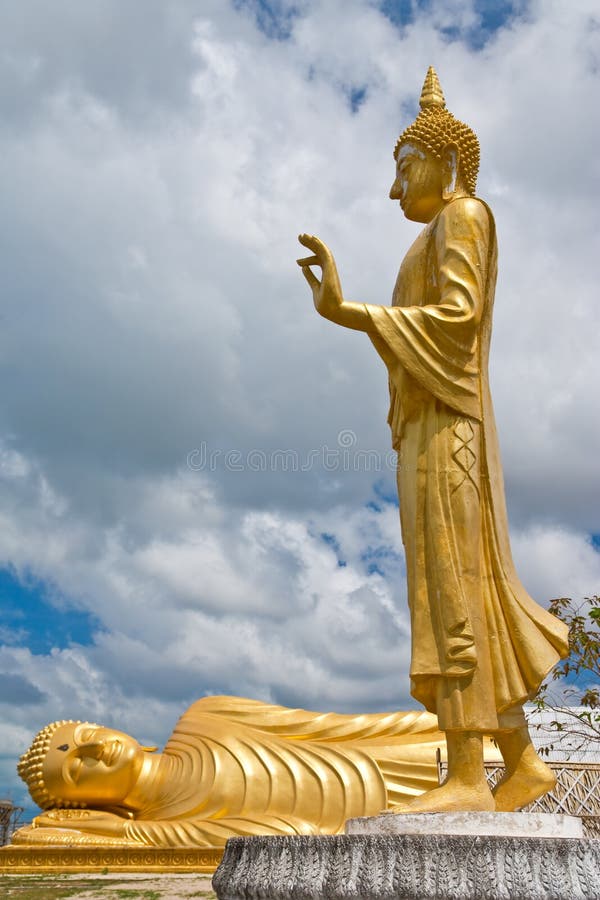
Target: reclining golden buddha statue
(231,767)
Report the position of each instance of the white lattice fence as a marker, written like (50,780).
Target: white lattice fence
(577,791)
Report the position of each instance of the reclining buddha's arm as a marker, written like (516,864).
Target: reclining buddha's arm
(91,827)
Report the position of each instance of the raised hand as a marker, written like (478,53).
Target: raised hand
(327,293)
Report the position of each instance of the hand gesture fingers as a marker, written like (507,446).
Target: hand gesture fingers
(311,278)
(317,246)
(326,291)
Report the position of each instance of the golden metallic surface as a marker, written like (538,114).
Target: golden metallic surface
(22,860)
(435,128)
(431,93)
(480,645)
(231,767)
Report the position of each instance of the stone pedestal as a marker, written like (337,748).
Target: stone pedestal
(409,866)
(541,825)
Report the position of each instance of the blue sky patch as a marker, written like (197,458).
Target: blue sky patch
(386,492)
(495,14)
(400,12)
(17,690)
(376,558)
(331,541)
(492,15)
(274,18)
(30,619)
(356,97)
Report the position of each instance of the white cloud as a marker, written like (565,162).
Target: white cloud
(150,208)
(557,562)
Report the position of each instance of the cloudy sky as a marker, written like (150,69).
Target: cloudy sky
(196,489)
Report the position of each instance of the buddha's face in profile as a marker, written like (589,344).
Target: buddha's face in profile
(419,183)
(88,763)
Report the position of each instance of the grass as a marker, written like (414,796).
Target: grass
(138,895)
(52,887)
(48,887)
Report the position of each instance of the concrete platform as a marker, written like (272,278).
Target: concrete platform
(477,823)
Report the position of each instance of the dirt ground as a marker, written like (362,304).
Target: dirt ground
(105,887)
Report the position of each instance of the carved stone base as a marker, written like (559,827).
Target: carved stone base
(409,867)
(15,860)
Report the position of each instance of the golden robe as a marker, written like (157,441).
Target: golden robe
(241,767)
(480,644)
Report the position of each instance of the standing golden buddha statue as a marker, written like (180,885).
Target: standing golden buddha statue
(480,645)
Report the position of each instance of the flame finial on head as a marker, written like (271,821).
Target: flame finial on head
(432,94)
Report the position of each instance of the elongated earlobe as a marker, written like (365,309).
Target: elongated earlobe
(451,159)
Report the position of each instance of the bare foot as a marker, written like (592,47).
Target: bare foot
(531,779)
(452,796)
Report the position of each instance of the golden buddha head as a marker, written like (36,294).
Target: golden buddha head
(76,764)
(435,156)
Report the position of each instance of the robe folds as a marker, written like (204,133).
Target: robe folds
(480,643)
(242,767)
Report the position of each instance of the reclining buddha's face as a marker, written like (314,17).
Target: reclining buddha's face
(90,764)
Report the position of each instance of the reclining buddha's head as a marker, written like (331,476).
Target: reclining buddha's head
(78,764)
